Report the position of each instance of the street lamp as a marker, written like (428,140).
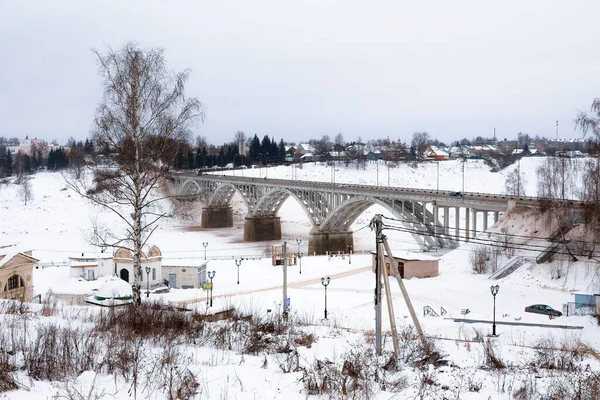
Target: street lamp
(349,254)
(300,259)
(238,262)
(325,283)
(211,276)
(494,290)
(147,281)
(298,241)
(205,244)
(438,174)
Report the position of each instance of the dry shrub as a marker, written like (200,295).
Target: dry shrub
(353,376)
(305,339)
(14,307)
(527,390)
(49,306)
(151,320)
(479,258)
(578,386)
(289,362)
(414,351)
(7,367)
(563,357)
(491,358)
(58,353)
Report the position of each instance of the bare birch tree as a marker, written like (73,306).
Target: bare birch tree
(143,115)
(25,190)
(514,183)
(590,193)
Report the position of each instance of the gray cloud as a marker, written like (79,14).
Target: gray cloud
(297,71)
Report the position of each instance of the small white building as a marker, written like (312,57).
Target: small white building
(185,273)
(120,263)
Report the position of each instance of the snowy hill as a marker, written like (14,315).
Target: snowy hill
(55,222)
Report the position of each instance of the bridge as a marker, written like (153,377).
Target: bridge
(333,207)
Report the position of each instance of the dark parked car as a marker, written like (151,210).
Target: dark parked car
(543,309)
(456,194)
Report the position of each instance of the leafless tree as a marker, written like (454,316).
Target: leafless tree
(239,136)
(143,114)
(322,146)
(25,191)
(338,142)
(420,142)
(591,176)
(201,142)
(76,162)
(514,183)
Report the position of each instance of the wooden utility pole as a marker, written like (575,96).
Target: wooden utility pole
(285,265)
(411,310)
(378,267)
(388,295)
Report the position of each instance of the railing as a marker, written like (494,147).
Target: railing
(548,253)
(572,308)
(428,311)
(509,268)
(445,193)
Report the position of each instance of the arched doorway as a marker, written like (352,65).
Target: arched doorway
(124,274)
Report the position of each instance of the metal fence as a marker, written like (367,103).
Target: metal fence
(572,308)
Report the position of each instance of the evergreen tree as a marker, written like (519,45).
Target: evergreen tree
(281,150)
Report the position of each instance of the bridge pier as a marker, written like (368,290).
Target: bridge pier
(322,242)
(258,229)
(457,225)
(217,217)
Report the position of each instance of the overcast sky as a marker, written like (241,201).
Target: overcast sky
(299,70)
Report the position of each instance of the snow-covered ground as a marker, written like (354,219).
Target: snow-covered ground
(55,225)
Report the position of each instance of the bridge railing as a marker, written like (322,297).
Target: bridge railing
(344,185)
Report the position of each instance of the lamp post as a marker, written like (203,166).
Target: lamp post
(237,263)
(211,276)
(325,283)
(494,290)
(205,244)
(349,254)
(298,241)
(147,281)
(300,260)
(438,175)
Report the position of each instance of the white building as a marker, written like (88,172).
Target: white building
(120,263)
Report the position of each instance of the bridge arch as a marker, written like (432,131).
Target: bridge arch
(341,219)
(270,204)
(189,189)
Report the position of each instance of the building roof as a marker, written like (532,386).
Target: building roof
(409,256)
(183,262)
(9,252)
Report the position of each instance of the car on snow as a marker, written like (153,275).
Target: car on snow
(456,194)
(543,309)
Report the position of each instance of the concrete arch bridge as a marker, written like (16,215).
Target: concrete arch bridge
(333,207)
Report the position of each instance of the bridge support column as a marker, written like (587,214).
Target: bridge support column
(446,221)
(496,216)
(474,222)
(217,217)
(258,229)
(457,224)
(485,221)
(436,216)
(322,242)
(467,224)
